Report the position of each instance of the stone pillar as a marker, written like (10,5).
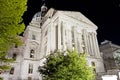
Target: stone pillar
(75,38)
(64,41)
(59,35)
(90,45)
(86,41)
(66,37)
(49,39)
(69,39)
(52,36)
(96,45)
(80,45)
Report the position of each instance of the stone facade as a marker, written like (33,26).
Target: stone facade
(57,30)
(110,52)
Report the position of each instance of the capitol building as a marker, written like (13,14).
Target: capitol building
(49,31)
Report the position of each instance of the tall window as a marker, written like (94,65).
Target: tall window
(14,56)
(30,70)
(32,53)
(12,70)
(33,37)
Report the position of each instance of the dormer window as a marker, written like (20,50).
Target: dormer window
(32,52)
(33,37)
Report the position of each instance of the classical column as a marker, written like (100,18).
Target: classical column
(59,35)
(52,37)
(86,41)
(75,37)
(91,44)
(69,40)
(63,36)
(49,39)
(72,37)
(80,45)
(96,43)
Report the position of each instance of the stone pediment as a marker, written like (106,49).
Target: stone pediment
(73,14)
(78,16)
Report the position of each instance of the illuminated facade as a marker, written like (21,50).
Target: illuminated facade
(47,33)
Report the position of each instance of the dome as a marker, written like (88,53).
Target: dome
(36,17)
(38,14)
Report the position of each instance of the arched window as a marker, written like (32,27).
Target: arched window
(32,53)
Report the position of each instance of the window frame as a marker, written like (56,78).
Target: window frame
(12,70)
(32,53)
(30,68)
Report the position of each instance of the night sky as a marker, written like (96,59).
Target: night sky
(104,13)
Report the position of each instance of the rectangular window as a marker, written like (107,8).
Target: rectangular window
(32,52)
(12,70)
(30,70)
(14,56)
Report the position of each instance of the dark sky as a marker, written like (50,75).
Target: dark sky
(104,13)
